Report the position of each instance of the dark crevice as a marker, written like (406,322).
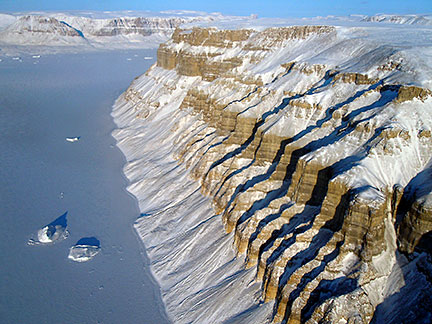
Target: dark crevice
(323,236)
(320,240)
(285,102)
(309,277)
(343,130)
(325,290)
(250,139)
(201,139)
(237,171)
(195,152)
(268,219)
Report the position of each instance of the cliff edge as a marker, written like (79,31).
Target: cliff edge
(313,147)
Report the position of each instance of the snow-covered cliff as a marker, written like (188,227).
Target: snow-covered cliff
(283,173)
(102,30)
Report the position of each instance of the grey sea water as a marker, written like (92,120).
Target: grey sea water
(42,176)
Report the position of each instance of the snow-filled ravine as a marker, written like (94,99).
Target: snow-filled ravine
(63,201)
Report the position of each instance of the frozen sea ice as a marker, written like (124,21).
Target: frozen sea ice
(53,232)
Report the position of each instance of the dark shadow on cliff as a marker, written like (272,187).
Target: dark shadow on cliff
(323,236)
(412,303)
(319,241)
(326,80)
(328,115)
(346,128)
(299,223)
(201,139)
(419,186)
(195,152)
(238,171)
(251,138)
(325,290)
(309,277)
(324,175)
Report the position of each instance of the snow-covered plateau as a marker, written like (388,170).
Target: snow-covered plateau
(49,32)
(283,172)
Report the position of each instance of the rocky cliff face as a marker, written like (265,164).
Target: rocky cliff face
(34,30)
(55,29)
(314,148)
(40,24)
(144,26)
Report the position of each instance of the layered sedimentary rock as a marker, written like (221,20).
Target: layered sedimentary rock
(139,25)
(314,147)
(36,29)
(61,29)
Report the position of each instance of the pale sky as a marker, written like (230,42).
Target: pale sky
(269,8)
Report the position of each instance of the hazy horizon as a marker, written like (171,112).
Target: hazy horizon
(276,8)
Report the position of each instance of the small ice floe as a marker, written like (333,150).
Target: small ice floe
(148,58)
(73,139)
(53,232)
(36,56)
(85,249)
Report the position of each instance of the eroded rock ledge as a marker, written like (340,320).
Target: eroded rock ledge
(320,168)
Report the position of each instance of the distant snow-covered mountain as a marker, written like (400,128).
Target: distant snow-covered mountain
(40,30)
(128,29)
(401,19)
(95,30)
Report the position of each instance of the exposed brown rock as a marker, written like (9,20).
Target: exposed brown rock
(273,37)
(417,222)
(407,93)
(210,36)
(294,215)
(416,211)
(356,78)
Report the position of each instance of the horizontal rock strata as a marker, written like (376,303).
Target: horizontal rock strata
(309,164)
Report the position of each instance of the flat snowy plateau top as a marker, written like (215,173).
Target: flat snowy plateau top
(79,30)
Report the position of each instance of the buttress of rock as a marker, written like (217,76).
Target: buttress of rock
(320,169)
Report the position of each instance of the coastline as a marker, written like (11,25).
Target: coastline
(191,256)
(44,101)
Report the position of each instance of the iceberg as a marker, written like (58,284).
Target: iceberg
(84,250)
(73,139)
(53,232)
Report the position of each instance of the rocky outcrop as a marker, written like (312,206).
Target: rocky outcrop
(416,213)
(40,26)
(56,29)
(308,164)
(139,25)
(211,37)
